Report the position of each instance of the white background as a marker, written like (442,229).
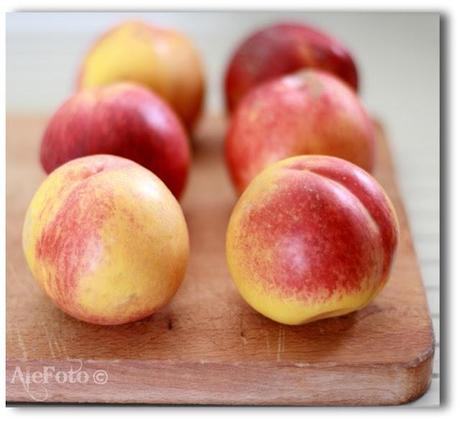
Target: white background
(398,56)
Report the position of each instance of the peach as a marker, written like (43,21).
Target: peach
(122,119)
(284,48)
(309,112)
(311,237)
(162,59)
(106,240)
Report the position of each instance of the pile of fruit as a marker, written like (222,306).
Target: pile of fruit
(312,235)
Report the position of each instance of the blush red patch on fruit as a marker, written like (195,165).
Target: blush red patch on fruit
(314,245)
(74,233)
(247,145)
(77,127)
(371,196)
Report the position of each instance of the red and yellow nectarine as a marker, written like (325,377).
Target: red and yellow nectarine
(106,240)
(311,237)
(122,119)
(308,112)
(162,59)
(281,49)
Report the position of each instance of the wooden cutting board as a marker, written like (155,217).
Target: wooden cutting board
(208,346)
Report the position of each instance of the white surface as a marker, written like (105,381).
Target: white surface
(398,58)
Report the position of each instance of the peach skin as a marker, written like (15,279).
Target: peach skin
(106,240)
(311,237)
(162,59)
(309,112)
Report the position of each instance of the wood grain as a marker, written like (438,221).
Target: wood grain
(208,346)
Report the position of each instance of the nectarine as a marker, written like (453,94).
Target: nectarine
(122,119)
(311,237)
(284,48)
(309,112)
(106,240)
(162,59)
